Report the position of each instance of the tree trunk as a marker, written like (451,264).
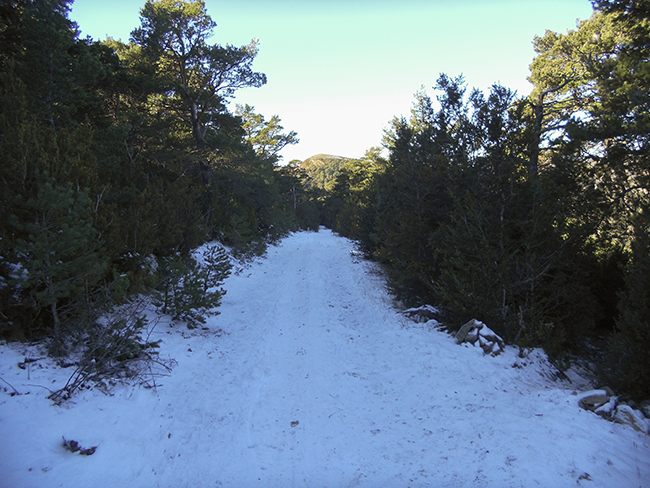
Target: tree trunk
(196,126)
(538,114)
(204,169)
(53,309)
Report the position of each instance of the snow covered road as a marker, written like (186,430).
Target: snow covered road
(317,381)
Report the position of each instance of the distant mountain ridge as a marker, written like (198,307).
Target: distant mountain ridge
(322,169)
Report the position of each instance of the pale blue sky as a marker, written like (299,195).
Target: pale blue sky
(339,70)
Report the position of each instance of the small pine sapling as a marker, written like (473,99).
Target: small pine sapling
(192,291)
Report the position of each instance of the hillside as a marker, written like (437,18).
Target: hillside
(322,170)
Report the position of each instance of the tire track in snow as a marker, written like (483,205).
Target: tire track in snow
(303,336)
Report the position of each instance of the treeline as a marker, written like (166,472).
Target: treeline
(531,214)
(117,159)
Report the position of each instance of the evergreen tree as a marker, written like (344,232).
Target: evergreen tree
(266,138)
(59,260)
(195,76)
(126,134)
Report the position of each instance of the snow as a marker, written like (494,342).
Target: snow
(625,412)
(309,377)
(589,393)
(607,408)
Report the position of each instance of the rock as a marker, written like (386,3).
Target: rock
(472,336)
(433,324)
(604,403)
(626,415)
(477,333)
(496,344)
(469,332)
(487,346)
(591,400)
(645,408)
(608,390)
(607,410)
(423,313)
(489,334)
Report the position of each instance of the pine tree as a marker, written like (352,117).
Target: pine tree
(58,257)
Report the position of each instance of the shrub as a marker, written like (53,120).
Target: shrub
(191,291)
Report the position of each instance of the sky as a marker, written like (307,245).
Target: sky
(339,71)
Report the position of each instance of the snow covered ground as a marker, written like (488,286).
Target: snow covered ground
(310,378)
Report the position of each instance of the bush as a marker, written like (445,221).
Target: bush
(191,291)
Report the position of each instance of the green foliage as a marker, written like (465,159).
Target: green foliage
(191,291)
(195,75)
(622,120)
(627,362)
(458,220)
(143,160)
(321,170)
(516,211)
(502,259)
(298,197)
(266,138)
(519,212)
(59,254)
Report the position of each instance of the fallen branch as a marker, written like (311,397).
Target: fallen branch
(117,351)
(10,386)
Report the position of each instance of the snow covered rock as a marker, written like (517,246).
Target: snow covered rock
(627,415)
(469,332)
(477,333)
(608,409)
(645,408)
(422,314)
(490,342)
(604,403)
(594,399)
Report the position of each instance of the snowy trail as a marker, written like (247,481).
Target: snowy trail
(317,382)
